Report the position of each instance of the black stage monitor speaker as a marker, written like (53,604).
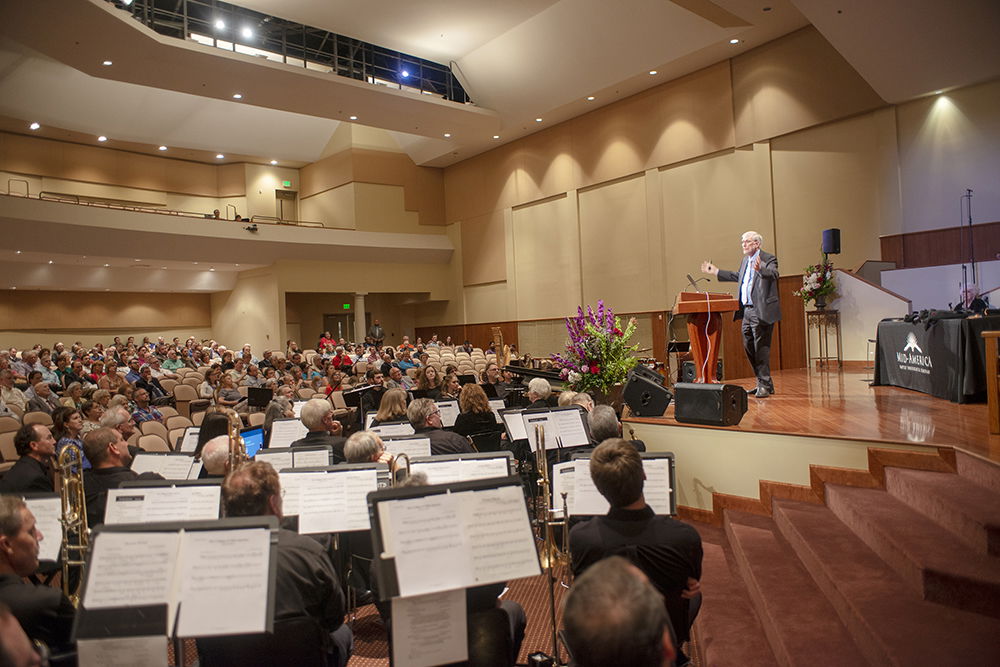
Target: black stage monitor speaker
(831,241)
(713,404)
(688,374)
(646,397)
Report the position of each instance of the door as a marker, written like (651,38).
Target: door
(285,206)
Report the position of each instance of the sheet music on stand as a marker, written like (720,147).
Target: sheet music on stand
(393,428)
(155,501)
(412,447)
(47,509)
(184,579)
(286,431)
(449,468)
(281,458)
(564,427)
(514,424)
(449,412)
(297,408)
(496,405)
(583,498)
(437,538)
(170,465)
(189,441)
(330,499)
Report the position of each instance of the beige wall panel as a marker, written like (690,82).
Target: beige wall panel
(613,244)
(486,303)
(547,259)
(643,335)
(8,184)
(334,207)
(948,143)
(381,208)
(481,184)
(261,183)
(707,205)
(308,311)
(330,172)
(542,338)
(23,340)
(547,166)
(434,280)
(795,82)
(251,312)
(423,186)
(830,176)
(103,310)
(144,197)
(484,258)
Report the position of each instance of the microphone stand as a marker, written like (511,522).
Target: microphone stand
(972,244)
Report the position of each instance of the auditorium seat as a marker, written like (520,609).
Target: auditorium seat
(7,451)
(172,436)
(167,411)
(244,390)
(9,424)
(192,381)
(154,443)
(361,368)
(256,419)
(305,393)
(153,428)
(168,384)
(178,421)
(184,394)
(37,418)
(197,418)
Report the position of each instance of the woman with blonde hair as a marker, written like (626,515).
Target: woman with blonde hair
(392,408)
(476,415)
(450,387)
(74,396)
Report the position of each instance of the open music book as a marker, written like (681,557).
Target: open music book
(286,431)
(412,447)
(282,458)
(196,501)
(584,499)
(445,469)
(47,509)
(170,465)
(331,499)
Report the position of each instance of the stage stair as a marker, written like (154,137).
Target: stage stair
(897,565)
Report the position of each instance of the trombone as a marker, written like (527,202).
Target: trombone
(75,532)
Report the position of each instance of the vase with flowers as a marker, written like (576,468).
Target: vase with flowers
(599,354)
(817,283)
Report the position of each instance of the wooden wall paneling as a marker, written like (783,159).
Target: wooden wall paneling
(892,249)
(659,324)
(986,238)
(938,247)
(456,331)
(932,248)
(481,335)
(788,350)
(734,359)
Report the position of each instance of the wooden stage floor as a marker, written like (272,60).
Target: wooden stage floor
(842,404)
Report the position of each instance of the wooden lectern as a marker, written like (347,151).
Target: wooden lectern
(704,311)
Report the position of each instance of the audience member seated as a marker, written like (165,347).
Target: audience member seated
(75,374)
(406,362)
(109,455)
(210,386)
(67,424)
(23,365)
(307,585)
(33,470)
(119,419)
(113,381)
(44,399)
(157,394)
(228,396)
(171,364)
(585,401)
(425,417)
(9,394)
(668,551)
(133,375)
(566,398)
(614,616)
(92,413)
(366,447)
(604,424)
(215,458)
(73,396)
(324,429)
(428,380)
(476,415)
(539,391)
(144,412)
(398,380)
(45,614)
(392,408)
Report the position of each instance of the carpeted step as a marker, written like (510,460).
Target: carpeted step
(800,624)
(969,510)
(888,621)
(979,470)
(931,559)
(727,631)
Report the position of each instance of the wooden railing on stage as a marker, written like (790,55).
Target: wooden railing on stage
(993,378)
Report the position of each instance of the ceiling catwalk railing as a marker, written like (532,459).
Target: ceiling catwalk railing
(226,26)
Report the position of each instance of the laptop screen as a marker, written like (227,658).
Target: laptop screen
(253,438)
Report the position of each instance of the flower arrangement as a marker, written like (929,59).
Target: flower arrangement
(598,355)
(817,282)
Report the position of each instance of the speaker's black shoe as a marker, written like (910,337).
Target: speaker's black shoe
(762,392)
(752,390)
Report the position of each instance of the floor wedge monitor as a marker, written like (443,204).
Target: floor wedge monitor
(713,404)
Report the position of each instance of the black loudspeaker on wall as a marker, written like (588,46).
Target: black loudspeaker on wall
(831,241)
(713,404)
(687,373)
(646,396)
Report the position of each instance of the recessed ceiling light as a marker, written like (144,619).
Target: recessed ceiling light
(194,263)
(246,32)
(735,41)
(107,289)
(17,252)
(107,63)
(274,162)
(237,96)
(653,72)
(235,264)
(353,118)
(162,148)
(447,135)
(496,136)
(102,138)
(51,262)
(405,74)
(219,156)
(13,287)
(590,98)
(938,92)
(106,265)
(212,268)
(34,126)
(538,120)
(138,260)
(163,267)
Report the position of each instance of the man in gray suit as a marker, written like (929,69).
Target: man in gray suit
(759,305)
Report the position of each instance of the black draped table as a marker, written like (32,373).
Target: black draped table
(943,358)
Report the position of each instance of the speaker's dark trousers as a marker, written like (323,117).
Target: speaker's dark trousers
(757,343)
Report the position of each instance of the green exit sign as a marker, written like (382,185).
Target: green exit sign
(347,306)
(286,184)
